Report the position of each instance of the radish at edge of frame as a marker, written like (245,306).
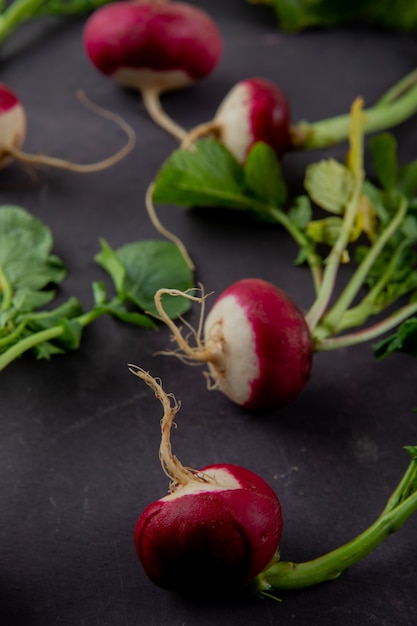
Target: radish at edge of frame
(255,341)
(13,129)
(153,47)
(218,527)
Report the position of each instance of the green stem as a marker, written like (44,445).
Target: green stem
(313,259)
(400,506)
(16,13)
(21,11)
(397,105)
(367,334)
(333,261)
(333,317)
(6,291)
(27,343)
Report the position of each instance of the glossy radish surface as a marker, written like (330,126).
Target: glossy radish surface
(256,343)
(153,47)
(217,529)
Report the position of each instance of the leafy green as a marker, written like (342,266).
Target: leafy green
(403,340)
(139,269)
(298,15)
(30,275)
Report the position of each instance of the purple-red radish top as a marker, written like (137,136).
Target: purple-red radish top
(218,528)
(256,343)
(13,123)
(153,47)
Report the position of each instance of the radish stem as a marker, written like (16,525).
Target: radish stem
(397,105)
(400,506)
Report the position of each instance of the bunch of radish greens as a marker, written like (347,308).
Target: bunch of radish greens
(370,225)
(30,275)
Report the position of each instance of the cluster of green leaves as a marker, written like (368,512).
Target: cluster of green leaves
(30,274)
(379,243)
(298,15)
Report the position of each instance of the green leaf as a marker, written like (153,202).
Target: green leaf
(301,212)
(139,269)
(325,231)
(25,250)
(407,180)
(403,340)
(263,174)
(329,184)
(383,149)
(206,175)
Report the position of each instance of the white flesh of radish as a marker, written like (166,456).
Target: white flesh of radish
(233,120)
(227,325)
(152,79)
(12,132)
(219,480)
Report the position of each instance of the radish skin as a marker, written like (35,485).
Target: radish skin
(153,47)
(217,529)
(13,127)
(254,110)
(256,343)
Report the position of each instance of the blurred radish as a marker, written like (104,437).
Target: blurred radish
(153,47)
(254,110)
(218,528)
(13,126)
(256,343)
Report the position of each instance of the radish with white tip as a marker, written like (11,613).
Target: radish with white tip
(257,343)
(153,47)
(218,528)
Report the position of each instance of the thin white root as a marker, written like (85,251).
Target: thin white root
(81,168)
(173,468)
(199,352)
(164,231)
(151,100)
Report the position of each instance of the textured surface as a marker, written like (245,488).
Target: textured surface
(79,435)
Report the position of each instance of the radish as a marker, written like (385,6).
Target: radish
(13,126)
(218,528)
(254,110)
(257,344)
(153,47)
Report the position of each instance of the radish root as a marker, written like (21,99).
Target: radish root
(173,468)
(164,231)
(43,159)
(151,100)
(200,352)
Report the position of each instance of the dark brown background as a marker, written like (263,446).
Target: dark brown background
(79,435)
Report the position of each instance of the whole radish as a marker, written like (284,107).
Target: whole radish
(254,110)
(218,528)
(13,126)
(256,343)
(153,47)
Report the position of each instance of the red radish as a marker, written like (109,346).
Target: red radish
(13,127)
(257,344)
(218,528)
(254,110)
(153,47)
